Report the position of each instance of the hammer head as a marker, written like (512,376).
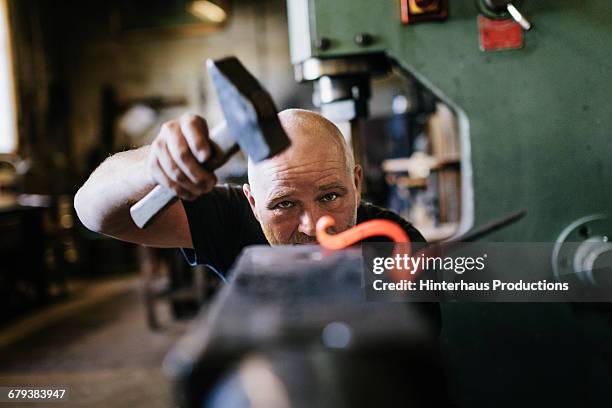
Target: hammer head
(250,114)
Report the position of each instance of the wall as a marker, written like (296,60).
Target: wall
(174,66)
(69,51)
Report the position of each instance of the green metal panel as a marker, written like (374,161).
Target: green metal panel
(540,131)
(539,117)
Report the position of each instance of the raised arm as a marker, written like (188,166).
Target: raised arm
(172,160)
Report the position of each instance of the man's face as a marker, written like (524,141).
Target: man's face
(289,193)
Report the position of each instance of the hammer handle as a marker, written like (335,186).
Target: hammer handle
(145,210)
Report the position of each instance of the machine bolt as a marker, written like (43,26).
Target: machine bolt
(323,43)
(364,39)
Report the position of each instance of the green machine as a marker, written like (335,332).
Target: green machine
(530,83)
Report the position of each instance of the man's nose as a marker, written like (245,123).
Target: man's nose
(308,222)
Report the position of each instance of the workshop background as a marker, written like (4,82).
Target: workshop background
(462,114)
(90,79)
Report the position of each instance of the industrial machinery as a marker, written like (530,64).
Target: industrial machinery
(536,118)
(291,329)
(530,85)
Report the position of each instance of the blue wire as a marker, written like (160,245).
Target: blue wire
(193,262)
(219,274)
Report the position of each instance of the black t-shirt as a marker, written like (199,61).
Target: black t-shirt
(222,224)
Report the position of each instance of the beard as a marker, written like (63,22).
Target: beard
(299,238)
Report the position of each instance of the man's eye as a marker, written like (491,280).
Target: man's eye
(329,197)
(284,205)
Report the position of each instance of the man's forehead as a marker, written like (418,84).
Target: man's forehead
(307,176)
(316,146)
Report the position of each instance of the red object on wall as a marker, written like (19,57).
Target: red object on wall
(498,35)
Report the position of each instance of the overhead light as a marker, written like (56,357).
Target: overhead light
(208,11)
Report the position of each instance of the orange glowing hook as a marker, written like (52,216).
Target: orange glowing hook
(362,231)
(357,233)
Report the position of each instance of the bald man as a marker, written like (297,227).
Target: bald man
(281,204)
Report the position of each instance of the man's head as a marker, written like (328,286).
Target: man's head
(315,176)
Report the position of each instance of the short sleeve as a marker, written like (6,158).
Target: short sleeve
(221,224)
(369,211)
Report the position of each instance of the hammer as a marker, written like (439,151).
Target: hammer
(251,120)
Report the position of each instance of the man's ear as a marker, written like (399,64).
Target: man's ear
(246,189)
(358,177)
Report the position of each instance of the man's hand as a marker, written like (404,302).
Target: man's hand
(176,157)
